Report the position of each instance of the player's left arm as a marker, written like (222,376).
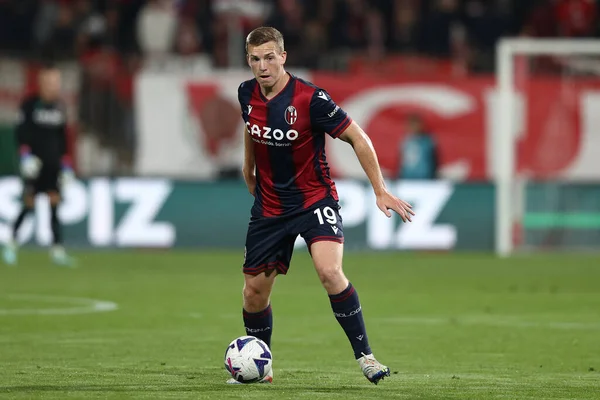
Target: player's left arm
(29,164)
(67,173)
(365,152)
(326,116)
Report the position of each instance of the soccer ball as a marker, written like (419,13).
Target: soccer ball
(248,359)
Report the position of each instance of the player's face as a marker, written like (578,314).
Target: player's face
(267,63)
(50,84)
(414,126)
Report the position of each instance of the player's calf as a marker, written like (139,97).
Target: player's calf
(348,312)
(257,313)
(259,324)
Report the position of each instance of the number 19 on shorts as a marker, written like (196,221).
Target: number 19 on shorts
(327,214)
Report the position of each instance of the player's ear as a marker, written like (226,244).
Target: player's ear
(283,57)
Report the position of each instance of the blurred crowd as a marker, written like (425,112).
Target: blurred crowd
(110,40)
(315,30)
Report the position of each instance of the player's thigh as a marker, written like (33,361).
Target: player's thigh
(321,224)
(48,183)
(268,248)
(323,232)
(327,258)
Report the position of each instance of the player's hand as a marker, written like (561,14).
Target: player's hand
(67,176)
(386,202)
(30,166)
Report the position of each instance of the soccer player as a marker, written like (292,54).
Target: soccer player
(44,164)
(286,171)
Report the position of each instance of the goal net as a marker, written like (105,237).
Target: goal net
(547,146)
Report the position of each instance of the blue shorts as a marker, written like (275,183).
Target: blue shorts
(270,241)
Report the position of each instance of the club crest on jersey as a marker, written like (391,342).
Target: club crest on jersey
(291,115)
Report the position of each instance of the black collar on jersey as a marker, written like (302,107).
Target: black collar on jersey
(287,85)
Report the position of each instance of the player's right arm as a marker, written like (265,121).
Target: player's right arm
(29,164)
(22,129)
(248,169)
(249,166)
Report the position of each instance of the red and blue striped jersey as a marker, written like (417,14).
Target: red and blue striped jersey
(288,135)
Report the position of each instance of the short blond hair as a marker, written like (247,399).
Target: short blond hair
(265,34)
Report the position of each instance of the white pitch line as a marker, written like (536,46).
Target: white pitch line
(78,305)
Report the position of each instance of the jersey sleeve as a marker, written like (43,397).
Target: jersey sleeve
(63,134)
(244,95)
(22,125)
(326,116)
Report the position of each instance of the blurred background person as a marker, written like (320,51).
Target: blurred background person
(45,163)
(419,154)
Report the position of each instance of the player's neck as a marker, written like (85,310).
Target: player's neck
(47,99)
(274,90)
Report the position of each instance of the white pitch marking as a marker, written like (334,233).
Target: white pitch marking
(78,305)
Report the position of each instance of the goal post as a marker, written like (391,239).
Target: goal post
(507,177)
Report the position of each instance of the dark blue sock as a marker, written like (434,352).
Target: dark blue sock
(19,220)
(347,311)
(259,324)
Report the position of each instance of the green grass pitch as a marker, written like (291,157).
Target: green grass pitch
(450,326)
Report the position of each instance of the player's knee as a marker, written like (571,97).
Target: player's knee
(333,279)
(28,202)
(251,291)
(256,295)
(54,198)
